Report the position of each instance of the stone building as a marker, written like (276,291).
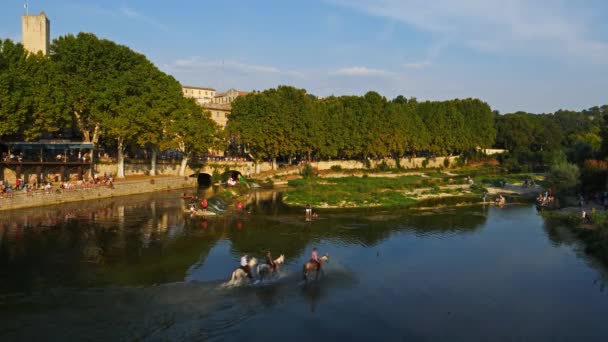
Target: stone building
(218,104)
(219,112)
(202,95)
(36,33)
(229,96)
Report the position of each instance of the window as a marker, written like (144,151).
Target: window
(217,115)
(226,115)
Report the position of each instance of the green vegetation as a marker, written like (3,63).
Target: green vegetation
(308,171)
(554,142)
(98,91)
(287,122)
(351,191)
(563,178)
(373,191)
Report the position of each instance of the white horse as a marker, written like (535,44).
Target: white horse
(312,266)
(238,275)
(265,269)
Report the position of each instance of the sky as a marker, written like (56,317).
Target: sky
(535,56)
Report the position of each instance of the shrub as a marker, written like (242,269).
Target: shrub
(425,163)
(383,167)
(446,162)
(308,171)
(563,177)
(336,168)
(216,176)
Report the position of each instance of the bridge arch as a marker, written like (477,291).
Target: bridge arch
(234,174)
(203,179)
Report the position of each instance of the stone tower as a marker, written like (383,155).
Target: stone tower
(36,33)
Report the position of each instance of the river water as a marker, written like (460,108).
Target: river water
(138,268)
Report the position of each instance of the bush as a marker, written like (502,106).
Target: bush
(216,176)
(383,167)
(563,178)
(425,163)
(308,171)
(336,168)
(446,162)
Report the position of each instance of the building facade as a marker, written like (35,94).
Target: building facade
(229,96)
(218,104)
(36,33)
(202,95)
(219,112)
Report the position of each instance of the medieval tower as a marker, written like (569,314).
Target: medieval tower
(36,33)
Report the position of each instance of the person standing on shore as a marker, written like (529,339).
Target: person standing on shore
(308,210)
(204,205)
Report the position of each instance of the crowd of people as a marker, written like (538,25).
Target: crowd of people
(546,199)
(50,183)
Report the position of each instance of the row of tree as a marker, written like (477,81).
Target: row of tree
(288,122)
(101,92)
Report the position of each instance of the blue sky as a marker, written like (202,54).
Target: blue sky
(536,56)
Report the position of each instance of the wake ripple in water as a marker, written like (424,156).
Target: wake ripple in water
(176,311)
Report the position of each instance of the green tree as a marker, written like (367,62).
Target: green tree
(14,86)
(191,131)
(563,178)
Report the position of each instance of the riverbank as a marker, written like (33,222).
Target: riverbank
(593,233)
(120,188)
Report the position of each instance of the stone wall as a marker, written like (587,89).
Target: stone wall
(406,163)
(245,167)
(122,188)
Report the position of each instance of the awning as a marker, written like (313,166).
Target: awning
(63,145)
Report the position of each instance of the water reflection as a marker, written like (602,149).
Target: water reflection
(561,235)
(148,239)
(141,268)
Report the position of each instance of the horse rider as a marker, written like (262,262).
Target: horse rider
(314,257)
(270,261)
(245,266)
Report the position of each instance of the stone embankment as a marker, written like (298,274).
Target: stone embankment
(120,188)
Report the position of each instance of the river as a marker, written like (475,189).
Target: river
(138,268)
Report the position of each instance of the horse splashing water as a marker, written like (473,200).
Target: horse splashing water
(239,274)
(265,269)
(312,266)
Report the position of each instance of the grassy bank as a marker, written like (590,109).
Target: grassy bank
(402,190)
(349,192)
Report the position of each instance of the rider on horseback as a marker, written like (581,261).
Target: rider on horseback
(245,266)
(270,261)
(315,258)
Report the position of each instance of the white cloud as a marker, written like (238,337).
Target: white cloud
(418,65)
(198,63)
(360,71)
(541,27)
(131,13)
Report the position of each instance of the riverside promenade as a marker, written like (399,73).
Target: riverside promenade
(120,188)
